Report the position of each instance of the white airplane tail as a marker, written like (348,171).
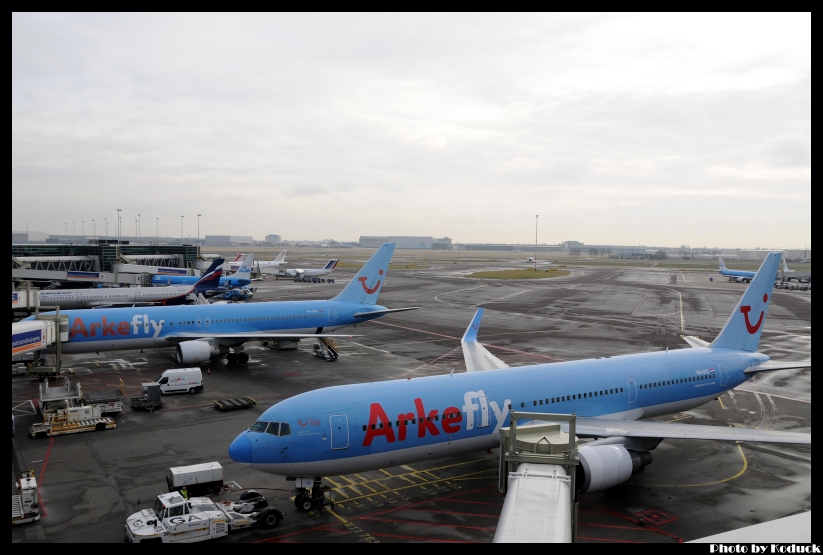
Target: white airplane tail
(281,257)
(244,272)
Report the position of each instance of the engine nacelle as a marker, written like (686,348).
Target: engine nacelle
(194,352)
(604,466)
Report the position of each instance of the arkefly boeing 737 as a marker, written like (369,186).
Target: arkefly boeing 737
(202,332)
(357,428)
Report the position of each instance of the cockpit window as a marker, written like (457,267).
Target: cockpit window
(285,429)
(259,427)
(274,428)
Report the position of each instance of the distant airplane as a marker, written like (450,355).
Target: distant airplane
(238,279)
(530,259)
(358,428)
(132,296)
(788,275)
(735,275)
(313,272)
(204,331)
(280,260)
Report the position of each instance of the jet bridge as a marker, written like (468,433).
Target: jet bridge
(538,465)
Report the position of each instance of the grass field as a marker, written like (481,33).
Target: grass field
(519,274)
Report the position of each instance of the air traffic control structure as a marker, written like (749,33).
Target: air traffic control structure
(538,464)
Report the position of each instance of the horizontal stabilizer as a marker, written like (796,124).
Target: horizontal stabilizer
(601,427)
(771,365)
(695,342)
(385,311)
(475,355)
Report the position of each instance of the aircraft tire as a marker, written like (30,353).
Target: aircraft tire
(242,358)
(304,502)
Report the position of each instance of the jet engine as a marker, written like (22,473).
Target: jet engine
(194,352)
(604,466)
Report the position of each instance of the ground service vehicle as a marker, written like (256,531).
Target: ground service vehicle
(175,520)
(198,479)
(180,380)
(71,421)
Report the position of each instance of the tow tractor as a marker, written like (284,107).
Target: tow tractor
(175,520)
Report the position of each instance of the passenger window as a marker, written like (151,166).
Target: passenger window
(621,390)
(535,403)
(274,428)
(522,405)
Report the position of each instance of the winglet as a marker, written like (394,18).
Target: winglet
(475,355)
(474,327)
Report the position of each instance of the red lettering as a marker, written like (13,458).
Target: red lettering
(78,327)
(93,328)
(123,328)
(378,425)
(108,328)
(401,427)
(423,423)
(452,417)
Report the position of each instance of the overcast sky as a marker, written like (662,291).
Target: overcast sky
(622,129)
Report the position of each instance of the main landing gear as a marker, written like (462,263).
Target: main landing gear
(315,497)
(237,358)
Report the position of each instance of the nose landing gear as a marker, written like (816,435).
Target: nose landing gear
(315,497)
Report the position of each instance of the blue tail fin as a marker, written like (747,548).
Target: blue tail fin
(211,277)
(244,272)
(366,285)
(743,328)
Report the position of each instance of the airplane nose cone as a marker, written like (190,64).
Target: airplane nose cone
(240,449)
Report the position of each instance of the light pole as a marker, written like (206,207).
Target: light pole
(67,228)
(181,228)
(535,241)
(93,228)
(198,227)
(157,227)
(107,226)
(83,227)
(139,226)
(74,228)
(119,231)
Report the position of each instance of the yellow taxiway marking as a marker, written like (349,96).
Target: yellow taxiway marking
(420,485)
(730,478)
(722,406)
(680,417)
(335,484)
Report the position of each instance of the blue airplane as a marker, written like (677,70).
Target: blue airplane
(238,279)
(206,331)
(735,275)
(357,428)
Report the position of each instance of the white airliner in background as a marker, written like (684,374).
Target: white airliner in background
(312,272)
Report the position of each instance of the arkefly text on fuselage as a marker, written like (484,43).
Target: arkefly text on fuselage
(356,428)
(201,332)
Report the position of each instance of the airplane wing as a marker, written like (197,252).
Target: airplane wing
(386,311)
(695,341)
(475,355)
(771,365)
(250,336)
(601,427)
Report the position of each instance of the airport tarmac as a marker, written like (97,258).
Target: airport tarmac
(90,482)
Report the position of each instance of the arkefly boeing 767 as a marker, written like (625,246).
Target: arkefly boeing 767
(357,428)
(202,332)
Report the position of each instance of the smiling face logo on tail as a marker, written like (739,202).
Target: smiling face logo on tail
(745,309)
(371,290)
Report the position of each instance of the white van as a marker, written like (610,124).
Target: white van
(181,380)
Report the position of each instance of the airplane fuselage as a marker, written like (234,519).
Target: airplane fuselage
(225,282)
(151,327)
(84,298)
(356,428)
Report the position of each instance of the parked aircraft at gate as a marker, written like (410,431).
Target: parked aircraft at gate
(238,279)
(313,272)
(205,331)
(735,275)
(68,299)
(357,428)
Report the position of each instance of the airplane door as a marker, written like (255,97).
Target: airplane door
(199,322)
(137,295)
(206,321)
(724,374)
(332,316)
(632,390)
(339,424)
